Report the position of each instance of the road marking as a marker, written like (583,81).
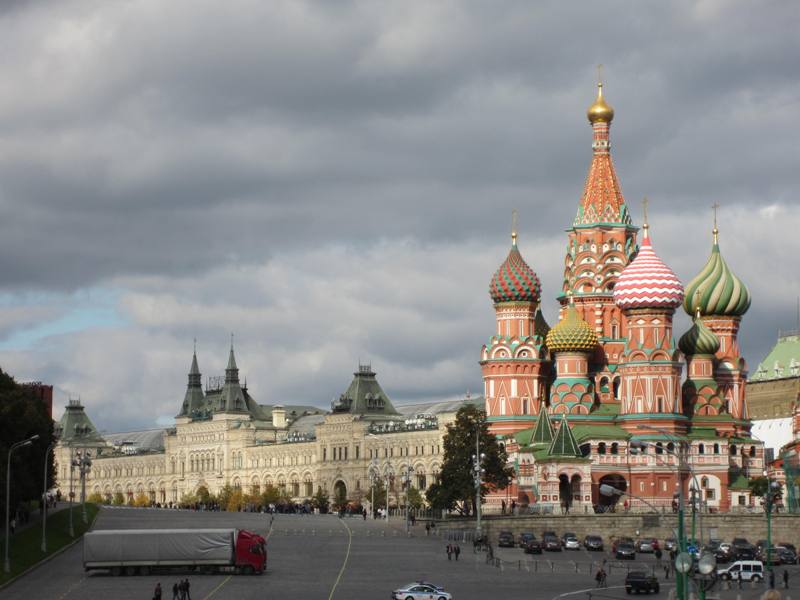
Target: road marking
(216,589)
(346,557)
(71,588)
(598,590)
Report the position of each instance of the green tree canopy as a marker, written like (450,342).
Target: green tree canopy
(23,415)
(380,494)
(456,487)
(758,486)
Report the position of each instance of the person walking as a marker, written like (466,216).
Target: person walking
(449,552)
(666,571)
(175,591)
(188,595)
(599,577)
(157,592)
(182,590)
(458,551)
(427,528)
(786,579)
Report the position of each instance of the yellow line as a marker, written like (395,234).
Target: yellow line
(346,556)
(216,589)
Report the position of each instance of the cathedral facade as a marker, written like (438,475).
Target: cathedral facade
(599,399)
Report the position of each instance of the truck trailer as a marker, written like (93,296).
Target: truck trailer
(142,551)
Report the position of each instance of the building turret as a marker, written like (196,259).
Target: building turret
(602,241)
(232,398)
(700,391)
(722,299)
(648,292)
(194,399)
(572,342)
(514,362)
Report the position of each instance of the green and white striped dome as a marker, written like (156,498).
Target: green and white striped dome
(698,340)
(716,291)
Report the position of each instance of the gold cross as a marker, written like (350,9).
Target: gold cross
(514,226)
(645,202)
(600,73)
(715,206)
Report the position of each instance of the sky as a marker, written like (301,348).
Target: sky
(332,182)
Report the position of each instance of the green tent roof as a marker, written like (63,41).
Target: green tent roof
(564,443)
(543,432)
(740,483)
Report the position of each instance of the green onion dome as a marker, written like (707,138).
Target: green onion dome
(572,334)
(698,340)
(515,281)
(716,290)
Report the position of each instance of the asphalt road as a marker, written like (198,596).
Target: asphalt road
(326,557)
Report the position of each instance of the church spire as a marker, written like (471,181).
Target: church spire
(602,200)
(231,371)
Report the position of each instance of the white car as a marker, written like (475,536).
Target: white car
(420,590)
(572,544)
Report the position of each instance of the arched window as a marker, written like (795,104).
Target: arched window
(716,448)
(670,447)
(601,448)
(704,482)
(701,448)
(615,448)
(733,449)
(659,448)
(752,450)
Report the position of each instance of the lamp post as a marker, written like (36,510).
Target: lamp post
(373,479)
(388,473)
(773,491)
(477,471)
(681,578)
(21,444)
(405,477)
(44,498)
(83,462)
(71,493)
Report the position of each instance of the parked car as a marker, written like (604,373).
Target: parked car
(505,539)
(572,543)
(566,535)
(787,555)
(647,545)
(671,544)
(744,552)
(625,551)
(549,534)
(593,542)
(533,546)
(618,541)
(787,546)
(723,553)
(523,539)
(420,590)
(640,581)
(551,543)
(746,570)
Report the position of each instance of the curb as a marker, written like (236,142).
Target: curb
(50,557)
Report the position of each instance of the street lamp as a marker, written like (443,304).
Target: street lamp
(405,477)
(773,491)
(22,444)
(388,473)
(478,471)
(83,462)
(373,479)
(44,498)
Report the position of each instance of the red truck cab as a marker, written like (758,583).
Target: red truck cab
(251,552)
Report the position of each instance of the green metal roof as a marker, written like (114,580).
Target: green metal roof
(740,483)
(782,361)
(599,432)
(564,443)
(365,396)
(76,426)
(543,432)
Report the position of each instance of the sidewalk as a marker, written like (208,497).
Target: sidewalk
(36,518)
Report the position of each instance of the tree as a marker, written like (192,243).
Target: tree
(270,495)
(456,487)
(203,495)
(320,501)
(235,500)
(415,499)
(141,500)
(380,494)
(340,497)
(23,415)
(118,499)
(758,486)
(96,498)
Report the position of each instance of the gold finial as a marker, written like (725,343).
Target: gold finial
(600,111)
(715,231)
(514,227)
(645,225)
(697,301)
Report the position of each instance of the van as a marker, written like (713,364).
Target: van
(746,570)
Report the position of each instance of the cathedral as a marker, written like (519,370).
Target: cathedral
(598,399)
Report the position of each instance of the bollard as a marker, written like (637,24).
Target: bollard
(576,565)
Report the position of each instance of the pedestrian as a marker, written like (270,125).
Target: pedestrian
(449,552)
(175,591)
(599,577)
(182,590)
(13,525)
(157,592)
(513,507)
(502,507)
(666,571)
(771,579)
(786,579)
(364,513)
(427,528)
(188,595)
(458,551)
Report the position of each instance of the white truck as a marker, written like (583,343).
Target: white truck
(141,551)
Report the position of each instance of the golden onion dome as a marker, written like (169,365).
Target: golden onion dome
(572,334)
(600,111)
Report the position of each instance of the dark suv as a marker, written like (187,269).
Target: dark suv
(532,546)
(639,581)
(551,543)
(593,542)
(505,539)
